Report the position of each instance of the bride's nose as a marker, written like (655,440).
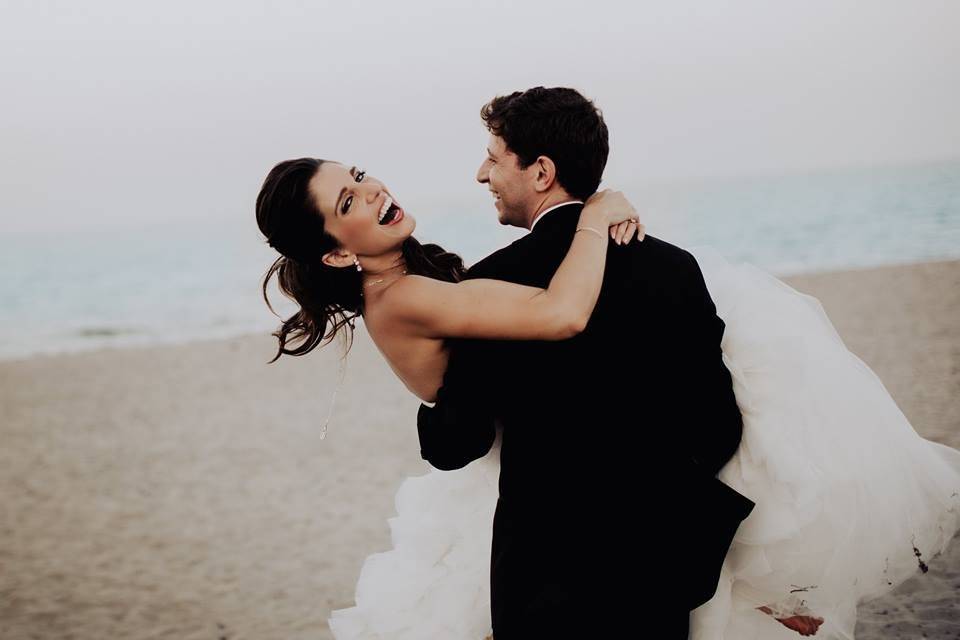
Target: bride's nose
(373,192)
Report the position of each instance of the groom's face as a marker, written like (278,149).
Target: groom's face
(512,187)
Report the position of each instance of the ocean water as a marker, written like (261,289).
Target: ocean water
(68,292)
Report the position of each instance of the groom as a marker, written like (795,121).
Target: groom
(610,517)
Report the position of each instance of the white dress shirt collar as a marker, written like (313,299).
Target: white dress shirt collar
(556,206)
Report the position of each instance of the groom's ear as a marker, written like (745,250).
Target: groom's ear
(546,173)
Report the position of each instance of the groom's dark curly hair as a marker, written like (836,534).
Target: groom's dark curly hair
(559,123)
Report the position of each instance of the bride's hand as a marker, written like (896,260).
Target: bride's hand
(623,232)
(621,217)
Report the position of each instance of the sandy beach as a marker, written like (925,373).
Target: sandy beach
(184,491)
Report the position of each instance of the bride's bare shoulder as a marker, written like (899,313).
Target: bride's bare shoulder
(412,295)
(412,286)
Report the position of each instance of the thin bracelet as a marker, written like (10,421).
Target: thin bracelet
(591,229)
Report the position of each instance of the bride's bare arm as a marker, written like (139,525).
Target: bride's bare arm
(494,309)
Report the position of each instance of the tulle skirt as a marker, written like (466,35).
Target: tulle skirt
(435,581)
(850,500)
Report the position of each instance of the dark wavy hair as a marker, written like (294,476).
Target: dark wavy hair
(329,297)
(558,123)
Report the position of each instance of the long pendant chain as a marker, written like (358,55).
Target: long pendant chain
(333,400)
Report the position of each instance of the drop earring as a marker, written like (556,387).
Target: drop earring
(356,261)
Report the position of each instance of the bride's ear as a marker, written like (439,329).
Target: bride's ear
(546,173)
(338,258)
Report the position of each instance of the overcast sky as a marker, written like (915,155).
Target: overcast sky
(127,113)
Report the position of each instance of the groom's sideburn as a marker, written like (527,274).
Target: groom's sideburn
(611,442)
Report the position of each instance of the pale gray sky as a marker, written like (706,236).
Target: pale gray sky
(126,113)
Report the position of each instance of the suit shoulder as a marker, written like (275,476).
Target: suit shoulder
(664,253)
(500,261)
(660,247)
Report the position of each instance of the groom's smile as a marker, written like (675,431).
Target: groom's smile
(507,182)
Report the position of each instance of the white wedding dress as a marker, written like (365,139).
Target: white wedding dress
(850,500)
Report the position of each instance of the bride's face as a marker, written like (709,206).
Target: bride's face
(351,203)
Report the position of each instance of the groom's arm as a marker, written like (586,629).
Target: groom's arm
(715,411)
(705,411)
(460,427)
(705,404)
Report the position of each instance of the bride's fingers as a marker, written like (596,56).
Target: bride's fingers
(635,229)
(618,230)
(623,232)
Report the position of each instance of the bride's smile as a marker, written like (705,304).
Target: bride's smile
(359,211)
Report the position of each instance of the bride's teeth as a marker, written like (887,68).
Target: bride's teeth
(385,208)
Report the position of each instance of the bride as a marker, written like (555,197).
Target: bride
(850,500)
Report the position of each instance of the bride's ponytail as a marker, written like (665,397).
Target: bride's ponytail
(294,226)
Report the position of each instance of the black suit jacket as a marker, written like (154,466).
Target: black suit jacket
(611,440)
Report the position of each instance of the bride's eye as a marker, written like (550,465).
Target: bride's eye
(358,177)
